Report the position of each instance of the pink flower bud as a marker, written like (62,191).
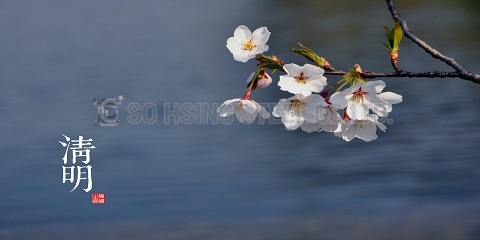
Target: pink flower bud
(263,82)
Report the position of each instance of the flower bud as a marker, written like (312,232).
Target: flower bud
(272,62)
(264,80)
(312,56)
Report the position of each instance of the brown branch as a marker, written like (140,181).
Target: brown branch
(395,66)
(460,72)
(401,74)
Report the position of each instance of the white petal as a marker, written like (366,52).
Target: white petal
(303,91)
(281,107)
(249,107)
(226,111)
(262,111)
(378,105)
(260,36)
(331,126)
(380,126)
(227,108)
(292,120)
(391,97)
(316,85)
(348,131)
(310,127)
(367,132)
(242,33)
(315,100)
(259,49)
(233,45)
(313,114)
(338,134)
(242,56)
(312,71)
(371,86)
(372,117)
(340,99)
(354,88)
(286,82)
(298,97)
(357,110)
(230,101)
(292,69)
(245,117)
(289,84)
(331,121)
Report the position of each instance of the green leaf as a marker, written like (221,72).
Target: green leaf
(397,36)
(387,46)
(391,38)
(353,76)
(394,37)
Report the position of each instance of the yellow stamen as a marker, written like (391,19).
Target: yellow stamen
(248,45)
(296,105)
(301,79)
(239,106)
(361,123)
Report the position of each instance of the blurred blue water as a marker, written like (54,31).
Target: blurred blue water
(422,175)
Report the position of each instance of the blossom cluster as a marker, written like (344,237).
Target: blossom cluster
(309,107)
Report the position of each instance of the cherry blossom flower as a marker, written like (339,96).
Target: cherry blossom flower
(361,97)
(332,122)
(299,109)
(302,80)
(245,45)
(245,110)
(263,82)
(364,129)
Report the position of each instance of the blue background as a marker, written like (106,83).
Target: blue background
(207,180)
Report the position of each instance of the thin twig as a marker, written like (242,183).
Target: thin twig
(401,74)
(460,72)
(395,65)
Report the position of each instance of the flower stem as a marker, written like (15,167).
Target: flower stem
(335,84)
(256,77)
(341,86)
(247,95)
(253,84)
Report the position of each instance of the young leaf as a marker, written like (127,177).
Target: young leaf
(394,37)
(310,55)
(398,34)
